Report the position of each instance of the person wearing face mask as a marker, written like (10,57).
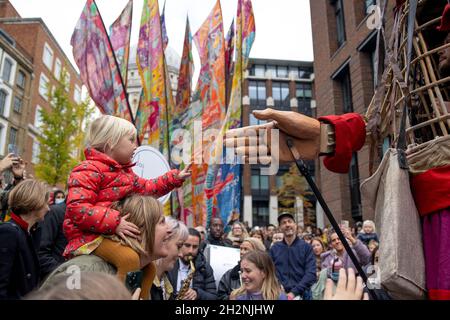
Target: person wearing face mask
(259,281)
(59,197)
(231,279)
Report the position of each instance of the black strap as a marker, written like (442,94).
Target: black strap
(305,172)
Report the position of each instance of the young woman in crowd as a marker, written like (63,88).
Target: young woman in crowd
(95,184)
(238,233)
(231,279)
(161,288)
(259,281)
(19,239)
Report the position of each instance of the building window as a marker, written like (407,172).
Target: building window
(368,48)
(355,195)
(38,117)
(259,183)
(260,213)
(303,93)
(340,21)
(258,70)
(272,70)
(282,72)
(47,56)
(280,92)
(3,96)
(21,78)
(257,92)
(7,68)
(58,69)
(13,136)
(18,104)
(35,152)
(343,78)
(77,94)
(43,86)
(67,80)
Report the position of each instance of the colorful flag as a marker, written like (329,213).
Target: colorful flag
(165,38)
(210,91)
(227,184)
(229,65)
(184,88)
(99,70)
(150,63)
(120,33)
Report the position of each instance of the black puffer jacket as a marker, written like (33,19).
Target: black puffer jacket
(229,282)
(53,241)
(19,264)
(203,281)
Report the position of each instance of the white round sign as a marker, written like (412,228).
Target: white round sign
(150,163)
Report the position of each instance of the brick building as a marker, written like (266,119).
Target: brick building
(277,84)
(344,57)
(16,71)
(48,60)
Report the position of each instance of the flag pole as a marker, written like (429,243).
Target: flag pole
(166,112)
(117,66)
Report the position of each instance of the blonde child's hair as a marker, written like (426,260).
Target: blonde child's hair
(145,212)
(106,131)
(29,195)
(271,288)
(369,223)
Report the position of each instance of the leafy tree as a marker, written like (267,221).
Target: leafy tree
(61,135)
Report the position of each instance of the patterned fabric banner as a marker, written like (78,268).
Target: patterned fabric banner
(210,43)
(99,70)
(150,62)
(165,37)
(227,184)
(120,34)
(229,65)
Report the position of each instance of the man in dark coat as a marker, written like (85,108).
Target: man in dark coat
(294,260)
(203,285)
(53,241)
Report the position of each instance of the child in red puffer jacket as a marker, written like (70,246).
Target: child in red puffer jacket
(102,179)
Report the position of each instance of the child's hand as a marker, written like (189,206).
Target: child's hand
(126,228)
(186,172)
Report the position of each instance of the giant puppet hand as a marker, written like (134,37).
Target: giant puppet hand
(259,142)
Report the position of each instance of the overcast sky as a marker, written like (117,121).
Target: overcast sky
(283,27)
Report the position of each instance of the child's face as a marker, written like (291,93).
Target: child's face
(368,229)
(124,150)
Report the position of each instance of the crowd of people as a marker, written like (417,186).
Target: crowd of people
(111,221)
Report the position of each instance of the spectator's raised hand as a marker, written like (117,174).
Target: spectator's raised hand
(18,169)
(348,287)
(8,162)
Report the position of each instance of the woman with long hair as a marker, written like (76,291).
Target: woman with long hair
(259,281)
